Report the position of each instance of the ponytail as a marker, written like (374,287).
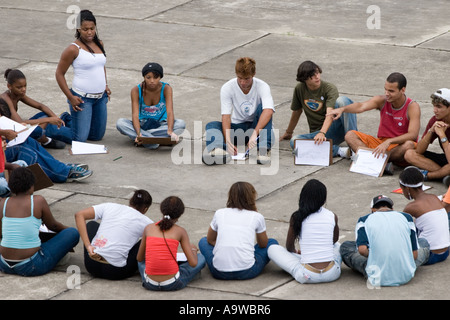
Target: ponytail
(172,208)
(141,200)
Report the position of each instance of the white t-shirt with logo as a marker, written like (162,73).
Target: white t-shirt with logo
(235,244)
(242,107)
(120,229)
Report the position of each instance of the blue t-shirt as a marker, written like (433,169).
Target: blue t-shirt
(157,112)
(391,239)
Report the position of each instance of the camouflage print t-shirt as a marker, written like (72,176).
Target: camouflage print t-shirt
(315,103)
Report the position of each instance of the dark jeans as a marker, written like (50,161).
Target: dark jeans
(108,271)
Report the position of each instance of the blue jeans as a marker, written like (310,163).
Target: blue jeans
(50,253)
(63,133)
(89,123)
(32,152)
(261,260)
(187,274)
(338,128)
(152,129)
(240,133)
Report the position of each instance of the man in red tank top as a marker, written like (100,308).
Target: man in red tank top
(434,165)
(399,121)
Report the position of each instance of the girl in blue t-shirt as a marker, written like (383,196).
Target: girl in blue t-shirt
(151,109)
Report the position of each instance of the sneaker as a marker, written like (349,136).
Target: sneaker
(446,181)
(54,144)
(78,174)
(345,152)
(216,156)
(81,165)
(389,169)
(263,158)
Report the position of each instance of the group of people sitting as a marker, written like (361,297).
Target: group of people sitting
(126,241)
(120,240)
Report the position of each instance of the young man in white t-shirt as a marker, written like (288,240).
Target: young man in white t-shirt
(246,107)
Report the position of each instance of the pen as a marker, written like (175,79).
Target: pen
(248,150)
(117,158)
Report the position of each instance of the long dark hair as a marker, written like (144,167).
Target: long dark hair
(86,15)
(172,208)
(312,197)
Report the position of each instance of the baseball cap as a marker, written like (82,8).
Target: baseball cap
(381,198)
(443,93)
(152,67)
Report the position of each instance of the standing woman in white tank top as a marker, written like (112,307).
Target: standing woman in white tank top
(89,93)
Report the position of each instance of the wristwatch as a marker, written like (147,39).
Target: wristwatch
(444,139)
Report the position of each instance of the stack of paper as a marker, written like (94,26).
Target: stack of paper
(87,148)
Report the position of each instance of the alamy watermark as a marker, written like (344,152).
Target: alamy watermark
(374,20)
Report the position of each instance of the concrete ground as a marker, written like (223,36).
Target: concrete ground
(198,42)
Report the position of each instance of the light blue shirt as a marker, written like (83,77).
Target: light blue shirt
(391,238)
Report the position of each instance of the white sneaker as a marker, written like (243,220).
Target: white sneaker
(216,156)
(263,159)
(345,152)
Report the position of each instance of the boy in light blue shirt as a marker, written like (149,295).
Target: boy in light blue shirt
(385,247)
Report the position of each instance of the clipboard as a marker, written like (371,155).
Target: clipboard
(308,153)
(164,141)
(365,162)
(42,180)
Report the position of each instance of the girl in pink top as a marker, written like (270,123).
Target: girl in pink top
(157,256)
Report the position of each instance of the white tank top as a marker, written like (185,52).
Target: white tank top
(433,226)
(89,71)
(316,240)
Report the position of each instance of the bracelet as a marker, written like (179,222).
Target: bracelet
(289,132)
(322,133)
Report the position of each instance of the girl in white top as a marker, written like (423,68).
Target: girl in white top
(316,228)
(111,246)
(229,247)
(89,93)
(431,218)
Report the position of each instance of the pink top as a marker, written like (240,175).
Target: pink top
(393,122)
(158,258)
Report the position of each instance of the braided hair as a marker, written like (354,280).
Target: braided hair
(86,15)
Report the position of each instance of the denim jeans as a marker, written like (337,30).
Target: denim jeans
(355,261)
(63,133)
(187,274)
(338,128)
(261,260)
(153,129)
(89,123)
(32,152)
(240,133)
(290,262)
(50,253)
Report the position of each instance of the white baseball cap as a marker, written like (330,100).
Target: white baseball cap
(443,93)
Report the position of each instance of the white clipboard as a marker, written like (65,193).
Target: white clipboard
(365,162)
(309,153)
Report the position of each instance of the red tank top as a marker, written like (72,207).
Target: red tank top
(393,122)
(158,258)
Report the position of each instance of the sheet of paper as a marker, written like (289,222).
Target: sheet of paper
(309,153)
(181,257)
(87,148)
(239,156)
(23,132)
(366,163)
